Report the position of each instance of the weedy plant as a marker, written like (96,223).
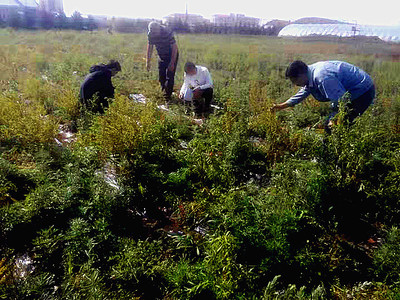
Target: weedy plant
(146,204)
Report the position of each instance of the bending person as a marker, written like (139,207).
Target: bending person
(329,81)
(97,86)
(197,87)
(167,50)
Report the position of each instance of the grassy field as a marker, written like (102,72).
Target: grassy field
(248,205)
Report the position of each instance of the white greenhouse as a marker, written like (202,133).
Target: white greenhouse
(385,33)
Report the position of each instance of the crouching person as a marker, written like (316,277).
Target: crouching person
(197,88)
(97,86)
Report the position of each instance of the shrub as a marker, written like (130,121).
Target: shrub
(139,268)
(25,123)
(386,258)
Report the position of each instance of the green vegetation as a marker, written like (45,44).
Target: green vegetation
(249,205)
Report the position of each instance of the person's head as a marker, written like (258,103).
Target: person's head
(190,68)
(297,72)
(154,28)
(114,66)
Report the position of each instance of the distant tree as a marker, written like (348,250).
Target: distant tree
(77,20)
(199,28)
(130,25)
(29,18)
(61,21)
(208,28)
(123,25)
(237,28)
(179,26)
(141,25)
(46,19)
(92,24)
(15,19)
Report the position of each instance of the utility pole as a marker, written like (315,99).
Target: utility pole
(186,16)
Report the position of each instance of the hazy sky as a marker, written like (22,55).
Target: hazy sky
(383,12)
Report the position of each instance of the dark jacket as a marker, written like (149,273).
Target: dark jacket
(97,86)
(163,43)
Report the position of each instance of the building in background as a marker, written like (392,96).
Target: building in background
(6,7)
(235,20)
(189,19)
(12,8)
(52,6)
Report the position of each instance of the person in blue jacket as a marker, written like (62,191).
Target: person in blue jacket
(97,87)
(328,81)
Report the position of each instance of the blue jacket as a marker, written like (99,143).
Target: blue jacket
(330,80)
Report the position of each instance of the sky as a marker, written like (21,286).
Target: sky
(383,12)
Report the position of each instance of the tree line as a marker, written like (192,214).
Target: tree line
(32,19)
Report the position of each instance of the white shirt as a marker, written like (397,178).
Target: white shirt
(202,80)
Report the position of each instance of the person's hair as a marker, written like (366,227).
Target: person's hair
(113,64)
(295,69)
(153,24)
(189,66)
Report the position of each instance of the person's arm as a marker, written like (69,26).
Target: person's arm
(208,80)
(280,106)
(302,94)
(107,88)
(184,86)
(172,66)
(149,54)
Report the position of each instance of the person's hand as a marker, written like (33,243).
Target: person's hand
(278,107)
(275,108)
(148,65)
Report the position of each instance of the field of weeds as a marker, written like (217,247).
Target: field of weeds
(146,203)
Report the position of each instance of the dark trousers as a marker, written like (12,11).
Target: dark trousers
(167,77)
(202,104)
(359,105)
(355,108)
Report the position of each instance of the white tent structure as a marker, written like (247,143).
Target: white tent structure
(385,33)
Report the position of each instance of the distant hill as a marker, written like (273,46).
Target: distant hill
(314,20)
(276,22)
(274,26)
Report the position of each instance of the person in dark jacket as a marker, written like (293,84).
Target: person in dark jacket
(163,38)
(97,86)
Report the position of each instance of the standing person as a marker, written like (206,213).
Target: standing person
(97,86)
(329,81)
(197,86)
(167,50)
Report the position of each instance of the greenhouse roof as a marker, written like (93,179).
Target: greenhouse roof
(385,33)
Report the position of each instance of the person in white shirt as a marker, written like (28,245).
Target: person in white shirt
(197,88)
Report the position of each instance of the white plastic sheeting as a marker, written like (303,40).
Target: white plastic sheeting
(385,33)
